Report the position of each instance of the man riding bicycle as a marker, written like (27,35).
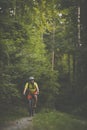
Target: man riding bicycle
(33,90)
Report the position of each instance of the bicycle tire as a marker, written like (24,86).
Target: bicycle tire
(31,108)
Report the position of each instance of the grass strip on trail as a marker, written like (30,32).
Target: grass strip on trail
(58,121)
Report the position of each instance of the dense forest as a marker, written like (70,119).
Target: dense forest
(48,40)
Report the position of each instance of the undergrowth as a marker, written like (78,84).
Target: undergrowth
(58,121)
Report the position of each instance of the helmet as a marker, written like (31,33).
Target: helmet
(31,78)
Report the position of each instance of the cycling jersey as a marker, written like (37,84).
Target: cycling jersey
(32,87)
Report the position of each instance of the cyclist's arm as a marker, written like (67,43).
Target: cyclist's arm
(37,88)
(25,88)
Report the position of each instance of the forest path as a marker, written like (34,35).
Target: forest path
(20,124)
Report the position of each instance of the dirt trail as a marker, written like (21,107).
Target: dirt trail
(21,124)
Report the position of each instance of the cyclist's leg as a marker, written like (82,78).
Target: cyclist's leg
(35,100)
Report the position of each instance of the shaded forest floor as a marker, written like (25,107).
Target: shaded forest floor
(46,120)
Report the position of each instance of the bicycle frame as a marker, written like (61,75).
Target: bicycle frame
(31,104)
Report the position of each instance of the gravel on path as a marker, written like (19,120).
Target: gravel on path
(21,124)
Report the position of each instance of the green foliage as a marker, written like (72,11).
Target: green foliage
(58,121)
(22,47)
(49,88)
(29,32)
